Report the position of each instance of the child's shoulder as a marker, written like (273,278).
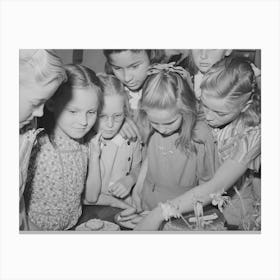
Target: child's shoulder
(201,132)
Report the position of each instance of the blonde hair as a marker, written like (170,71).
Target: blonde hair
(233,79)
(46,64)
(113,86)
(166,90)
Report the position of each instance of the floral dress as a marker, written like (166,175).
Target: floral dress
(56,181)
(241,144)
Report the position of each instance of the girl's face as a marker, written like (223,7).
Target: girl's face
(76,116)
(204,59)
(112,116)
(165,121)
(218,112)
(130,68)
(33,95)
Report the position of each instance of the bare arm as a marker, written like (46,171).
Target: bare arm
(228,173)
(93,181)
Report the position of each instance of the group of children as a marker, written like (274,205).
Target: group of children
(145,135)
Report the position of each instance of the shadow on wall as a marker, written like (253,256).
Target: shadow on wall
(93,59)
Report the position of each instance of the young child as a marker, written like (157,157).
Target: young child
(40,74)
(120,159)
(180,151)
(131,68)
(59,169)
(232,108)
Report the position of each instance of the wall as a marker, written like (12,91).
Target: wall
(93,59)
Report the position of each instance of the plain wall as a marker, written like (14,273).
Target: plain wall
(93,59)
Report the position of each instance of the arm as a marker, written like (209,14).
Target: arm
(229,172)
(123,186)
(105,199)
(129,130)
(93,181)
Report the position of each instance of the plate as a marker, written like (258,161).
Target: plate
(97,225)
(129,222)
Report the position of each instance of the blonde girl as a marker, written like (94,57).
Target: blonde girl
(120,159)
(40,74)
(180,151)
(232,108)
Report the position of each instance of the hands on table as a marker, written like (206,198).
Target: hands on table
(143,221)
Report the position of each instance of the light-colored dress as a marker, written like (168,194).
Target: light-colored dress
(119,158)
(171,172)
(56,181)
(241,144)
(26,143)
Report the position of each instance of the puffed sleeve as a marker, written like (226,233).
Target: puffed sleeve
(207,156)
(247,148)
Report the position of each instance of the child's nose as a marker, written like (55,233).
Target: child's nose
(110,122)
(127,75)
(83,119)
(203,54)
(39,112)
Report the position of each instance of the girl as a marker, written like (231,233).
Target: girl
(232,108)
(180,151)
(40,74)
(58,173)
(120,159)
(131,68)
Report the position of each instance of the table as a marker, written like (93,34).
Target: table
(102,212)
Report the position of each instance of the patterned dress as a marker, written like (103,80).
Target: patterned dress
(56,181)
(241,144)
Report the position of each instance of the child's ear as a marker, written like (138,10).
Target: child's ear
(50,105)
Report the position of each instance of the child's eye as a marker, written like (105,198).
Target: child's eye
(72,111)
(135,66)
(92,112)
(116,68)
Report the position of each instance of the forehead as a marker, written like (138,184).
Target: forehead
(82,98)
(161,115)
(215,103)
(210,52)
(113,104)
(126,58)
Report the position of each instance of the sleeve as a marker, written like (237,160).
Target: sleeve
(136,160)
(247,149)
(207,156)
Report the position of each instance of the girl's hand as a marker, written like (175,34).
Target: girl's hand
(94,146)
(122,187)
(129,130)
(136,201)
(152,221)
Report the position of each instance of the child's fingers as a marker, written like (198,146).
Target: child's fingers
(128,212)
(127,131)
(134,127)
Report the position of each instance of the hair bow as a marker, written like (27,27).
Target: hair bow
(171,67)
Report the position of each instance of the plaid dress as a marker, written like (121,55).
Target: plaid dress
(241,144)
